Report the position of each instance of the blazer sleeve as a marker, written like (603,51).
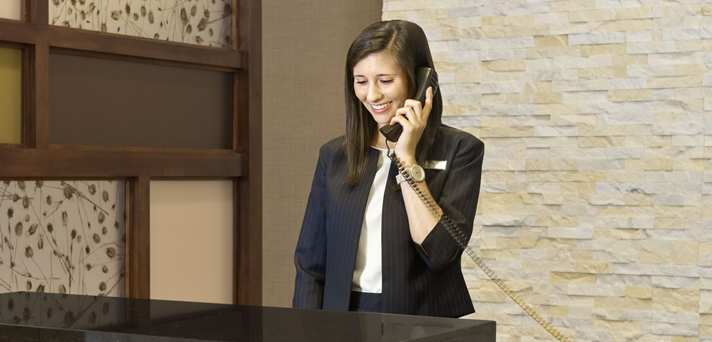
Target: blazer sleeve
(458,201)
(310,253)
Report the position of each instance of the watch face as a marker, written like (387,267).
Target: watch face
(417,172)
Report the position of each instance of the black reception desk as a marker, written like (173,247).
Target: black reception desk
(35,317)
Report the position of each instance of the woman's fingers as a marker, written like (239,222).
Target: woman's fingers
(415,112)
(411,114)
(428,104)
(401,119)
(406,113)
(415,106)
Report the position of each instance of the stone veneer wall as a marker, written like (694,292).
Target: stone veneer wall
(596,200)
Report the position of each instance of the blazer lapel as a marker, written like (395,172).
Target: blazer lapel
(357,202)
(354,206)
(394,231)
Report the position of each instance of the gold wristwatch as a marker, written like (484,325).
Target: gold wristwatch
(415,172)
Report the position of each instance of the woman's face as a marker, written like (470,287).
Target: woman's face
(381,85)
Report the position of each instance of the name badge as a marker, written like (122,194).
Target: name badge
(435,164)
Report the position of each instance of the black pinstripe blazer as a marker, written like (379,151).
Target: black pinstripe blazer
(417,279)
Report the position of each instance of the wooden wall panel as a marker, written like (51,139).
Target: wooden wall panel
(56,146)
(110,102)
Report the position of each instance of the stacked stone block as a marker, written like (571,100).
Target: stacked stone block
(596,201)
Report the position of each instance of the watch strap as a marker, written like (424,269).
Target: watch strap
(399,179)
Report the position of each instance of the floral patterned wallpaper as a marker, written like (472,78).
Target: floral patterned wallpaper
(62,237)
(201,22)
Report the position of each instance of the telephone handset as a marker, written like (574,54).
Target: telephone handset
(424,77)
(427,77)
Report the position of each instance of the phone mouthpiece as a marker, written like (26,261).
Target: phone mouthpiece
(392,132)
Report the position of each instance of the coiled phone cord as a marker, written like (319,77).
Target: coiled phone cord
(461,239)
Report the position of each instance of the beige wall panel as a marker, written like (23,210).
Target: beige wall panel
(11,9)
(11,95)
(192,241)
(304,50)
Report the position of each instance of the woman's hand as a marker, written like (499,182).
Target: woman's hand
(413,118)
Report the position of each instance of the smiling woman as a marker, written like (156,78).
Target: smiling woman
(369,242)
(11,90)
(381,85)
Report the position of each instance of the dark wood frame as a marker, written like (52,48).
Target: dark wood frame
(35,158)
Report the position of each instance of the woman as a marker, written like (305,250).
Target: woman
(368,243)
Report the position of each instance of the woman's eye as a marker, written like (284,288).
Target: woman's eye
(386,81)
(361,82)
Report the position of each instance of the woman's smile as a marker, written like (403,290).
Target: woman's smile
(381,107)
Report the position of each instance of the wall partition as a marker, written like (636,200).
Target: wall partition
(104,104)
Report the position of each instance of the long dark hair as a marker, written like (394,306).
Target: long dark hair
(409,45)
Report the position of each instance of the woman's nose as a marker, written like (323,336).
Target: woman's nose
(374,94)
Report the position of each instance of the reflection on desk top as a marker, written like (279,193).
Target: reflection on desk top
(38,317)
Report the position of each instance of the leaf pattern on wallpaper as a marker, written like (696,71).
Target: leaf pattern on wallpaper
(62,237)
(201,22)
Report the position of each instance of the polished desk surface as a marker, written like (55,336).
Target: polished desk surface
(30,317)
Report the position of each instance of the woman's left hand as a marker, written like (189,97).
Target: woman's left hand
(413,118)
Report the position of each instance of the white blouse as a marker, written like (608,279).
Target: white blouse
(367,271)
